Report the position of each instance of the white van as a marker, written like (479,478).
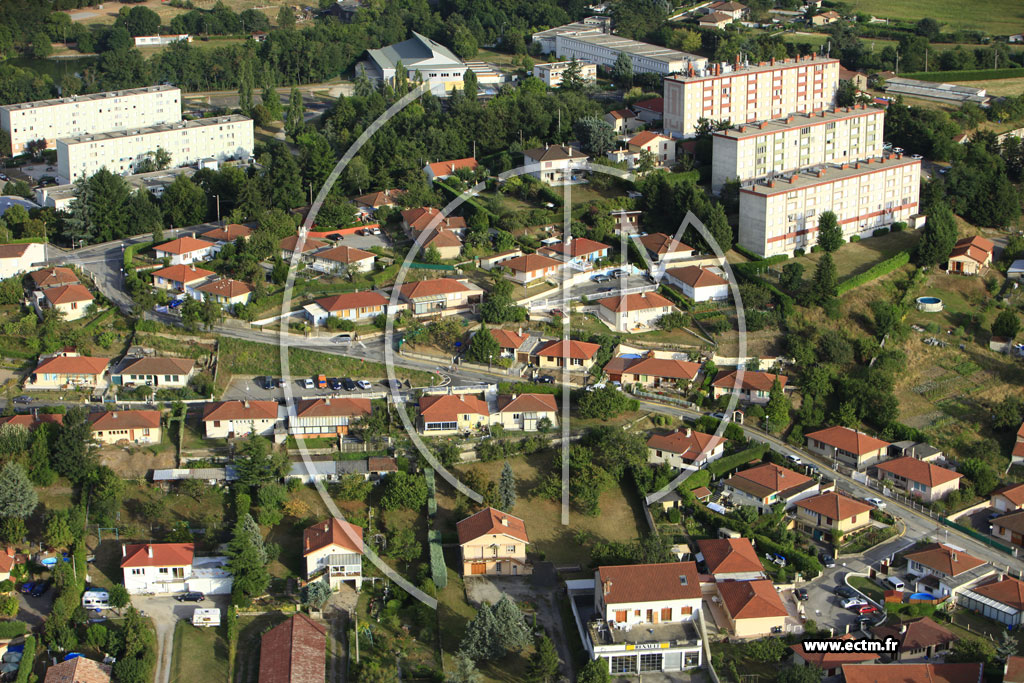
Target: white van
(206,617)
(96,600)
(895,582)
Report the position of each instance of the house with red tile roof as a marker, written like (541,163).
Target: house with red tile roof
(228,233)
(359,307)
(439,170)
(31,422)
(126,426)
(509,341)
(970,256)
(226,292)
(662,149)
(78,670)
(525,412)
(754,387)
(918,478)
(453,414)
(447,243)
(71,301)
(55,276)
(1007,498)
(493,542)
(294,651)
(375,200)
(16,259)
(156,567)
(8,558)
(651,371)
(622,121)
(230,419)
(830,662)
(730,559)
(554,164)
(763,486)
(907,673)
(1017,454)
(1013,669)
(311,245)
(633,312)
(318,418)
(184,250)
(1001,599)
(650,110)
(415,221)
(662,248)
(752,608)
(68,369)
(334,548)
(917,638)
(850,447)
(698,284)
(830,516)
(432,297)
(581,253)
(342,259)
(560,353)
(944,570)
(531,269)
(684,449)
(182,278)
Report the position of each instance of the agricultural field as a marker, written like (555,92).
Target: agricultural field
(1000,88)
(107,14)
(996,17)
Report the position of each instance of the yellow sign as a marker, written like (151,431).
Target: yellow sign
(649,646)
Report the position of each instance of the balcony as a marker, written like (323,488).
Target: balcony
(676,633)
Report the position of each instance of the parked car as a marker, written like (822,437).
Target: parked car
(795,460)
(719,416)
(40,588)
(282,382)
(545,379)
(850,603)
(308,384)
(3,176)
(321,381)
(618,272)
(600,278)
(28,586)
(22,399)
(864,622)
(342,339)
(877,502)
(267,382)
(827,561)
(335,383)
(845,592)
(866,609)
(801,594)
(393,384)
(596,387)
(348,384)
(190,597)
(174,304)
(364,385)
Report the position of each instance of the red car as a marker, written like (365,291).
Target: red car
(867,609)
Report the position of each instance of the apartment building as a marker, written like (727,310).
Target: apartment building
(780,216)
(552,73)
(759,150)
(221,138)
(742,92)
(591,42)
(67,117)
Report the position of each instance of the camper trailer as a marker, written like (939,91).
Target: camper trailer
(95,600)
(206,617)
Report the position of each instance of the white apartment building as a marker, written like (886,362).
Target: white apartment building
(742,93)
(782,215)
(759,150)
(82,114)
(221,138)
(590,41)
(551,73)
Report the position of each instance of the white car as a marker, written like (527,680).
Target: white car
(877,502)
(795,460)
(363,384)
(595,387)
(308,384)
(853,602)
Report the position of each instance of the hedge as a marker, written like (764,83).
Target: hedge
(670,293)
(697,479)
(28,658)
(131,250)
(438,569)
(12,629)
(807,565)
(731,462)
(876,271)
(969,75)
(746,252)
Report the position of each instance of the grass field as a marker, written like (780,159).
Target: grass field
(857,257)
(867,587)
(997,17)
(200,654)
(999,88)
(107,15)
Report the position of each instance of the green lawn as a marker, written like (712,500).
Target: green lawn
(998,17)
(856,257)
(868,588)
(200,654)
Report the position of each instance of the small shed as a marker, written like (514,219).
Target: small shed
(1016,270)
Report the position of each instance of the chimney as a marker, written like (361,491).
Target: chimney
(792,179)
(689,432)
(504,521)
(113,415)
(737,61)
(903,628)
(814,55)
(245,404)
(771,183)
(953,556)
(743,129)
(773,61)
(606,587)
(124,550)
(149,550)
(327,401)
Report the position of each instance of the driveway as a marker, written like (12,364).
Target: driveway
(165,612)
(33,611)
(540,589)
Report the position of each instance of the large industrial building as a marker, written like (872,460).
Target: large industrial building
(592,41)
(221,138)
(742,93)
(66,117)
(760,150)
(427,59)
(780,216)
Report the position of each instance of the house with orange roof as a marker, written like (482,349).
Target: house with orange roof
(492,542)
(439,170)
(1017,454)
(16,259)
(970,255)
(71,301)
(622,121)
(126,426)
(918,478)
(831,663)
(226,292)
(453,414)
(763,486)
(651,371)
(359,307)
(228,233)
(730,559)
(1013,669)
(525,412)
(368,203)
(830,516)
(440,295)
(650,110)
(944,570)
(662,149)
(30,422)
(641,617)
(311,245)
(531,269)
(633,312)
(510,342)
(294,651)
(684,449)
(715,20)
(698,284)
(904,673)
(184,250)
(317,418)
(68,369)
(662,248)
(342,259)
(850,447)
(78,670)
(917,638)
(559,353)
(446,242)
(55,276)
(1007,498)
(752,608)
(754,387)
(581,253)
(1001,599)
(169,568)
(415,221)
(231,419)
(182,278)
(8,558)
(334,548)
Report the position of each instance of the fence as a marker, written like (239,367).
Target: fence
(664,399)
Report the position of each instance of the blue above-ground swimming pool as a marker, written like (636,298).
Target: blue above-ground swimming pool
(929,304)
(922,596)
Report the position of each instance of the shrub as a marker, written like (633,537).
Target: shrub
(854,238)
(798,252)
(898,226)
(879,232)
(12,629)
(673,515)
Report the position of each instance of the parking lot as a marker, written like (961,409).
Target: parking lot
(364,242)
(596,290)
(251,389)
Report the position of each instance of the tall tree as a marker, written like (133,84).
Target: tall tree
(1006,324)
(72,451)
(718,226)
(256,464)
(622,70)
(17,497)
(572,77)
(595,671)
(245,85)
(464,671)
(938,236)
(470,85)
(544,662)
(269,97)
(777,410)
(507,488)
(286,17)
(296,118)
(826,280)
(316,158)
(596,135)
(830,234)
(184,203)
(483,347)
(98,210)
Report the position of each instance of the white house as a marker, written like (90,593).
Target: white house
(556,163)
(184,250)
(525,411)
(16,259)
(531,268)
(335,548)
(768,484)
(698,284)
(229,419)
(440,170)
(943,570)
(339,259)
(633,312)
(172,568)
(359,307)
(685,449)
(182,278)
